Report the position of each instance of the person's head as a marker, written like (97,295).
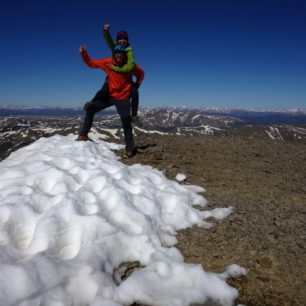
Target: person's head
(119,55)
(122,38)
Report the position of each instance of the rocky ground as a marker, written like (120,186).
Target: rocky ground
(265,181)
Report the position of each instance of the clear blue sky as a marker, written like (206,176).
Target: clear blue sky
(242,53)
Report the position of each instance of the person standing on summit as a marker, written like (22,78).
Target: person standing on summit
(123,40)
(119,87)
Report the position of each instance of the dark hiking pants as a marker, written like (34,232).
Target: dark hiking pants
(134,100)
(103,95)
(123,109)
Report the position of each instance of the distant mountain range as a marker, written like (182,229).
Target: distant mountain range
(252,116)
(19,126)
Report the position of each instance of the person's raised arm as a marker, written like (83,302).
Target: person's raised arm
(89,61)
(107,37)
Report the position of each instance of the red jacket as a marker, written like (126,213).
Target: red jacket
(120,84)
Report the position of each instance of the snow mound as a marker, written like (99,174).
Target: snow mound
(71,213)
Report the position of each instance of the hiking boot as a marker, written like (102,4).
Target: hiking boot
(130,153)
(82,138)
(136,121)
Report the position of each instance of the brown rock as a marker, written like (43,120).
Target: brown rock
(265,261)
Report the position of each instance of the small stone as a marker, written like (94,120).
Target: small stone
(263,278)
(265,261)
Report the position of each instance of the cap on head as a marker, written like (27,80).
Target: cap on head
(118,49)
(122,35)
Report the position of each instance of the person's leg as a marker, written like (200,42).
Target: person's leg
(134,106)
(123,109)
(134,100)
(101,95)
(90,112)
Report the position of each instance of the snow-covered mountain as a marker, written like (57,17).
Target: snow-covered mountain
(251,115)
(19,130)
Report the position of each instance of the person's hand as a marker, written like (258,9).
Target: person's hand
(82,48)
(106,27)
